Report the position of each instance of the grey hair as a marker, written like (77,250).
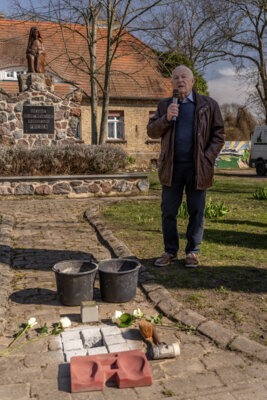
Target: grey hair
(183,66)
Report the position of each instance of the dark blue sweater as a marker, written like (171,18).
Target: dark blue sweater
(184,134)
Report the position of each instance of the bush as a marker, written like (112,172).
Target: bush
(260,194)
(59,160)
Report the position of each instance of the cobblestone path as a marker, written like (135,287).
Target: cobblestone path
(50,230)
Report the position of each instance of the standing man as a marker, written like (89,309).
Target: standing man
(192,136)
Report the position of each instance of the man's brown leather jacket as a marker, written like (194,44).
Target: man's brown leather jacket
(208,139)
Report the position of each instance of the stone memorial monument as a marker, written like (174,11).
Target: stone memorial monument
(36,116)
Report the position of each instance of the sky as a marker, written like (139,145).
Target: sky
(223,84)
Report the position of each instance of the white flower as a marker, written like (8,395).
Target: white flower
(65,322)
(116,317)
(138,313)
(31,322)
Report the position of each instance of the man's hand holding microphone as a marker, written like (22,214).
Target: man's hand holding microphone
(173,109)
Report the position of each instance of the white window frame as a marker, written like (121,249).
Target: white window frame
(11,74)
(116,121)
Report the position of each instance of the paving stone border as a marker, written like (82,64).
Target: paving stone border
(6,228)
(123,184)
(165,303)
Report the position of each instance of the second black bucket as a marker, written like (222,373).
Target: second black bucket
(75,281)
(118,279)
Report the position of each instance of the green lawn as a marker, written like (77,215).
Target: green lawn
(231,283)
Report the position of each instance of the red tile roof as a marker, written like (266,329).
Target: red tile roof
(135,71)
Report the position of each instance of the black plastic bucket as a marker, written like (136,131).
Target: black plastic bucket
(75,281)
(118,279)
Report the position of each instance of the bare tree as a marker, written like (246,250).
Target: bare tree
(241,27)
(239,122)
(81,17)
(184,27)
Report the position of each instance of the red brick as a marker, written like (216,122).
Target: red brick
(127,369)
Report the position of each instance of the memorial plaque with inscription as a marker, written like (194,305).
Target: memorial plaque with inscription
(38,119)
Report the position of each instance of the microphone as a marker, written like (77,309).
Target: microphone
(175,100)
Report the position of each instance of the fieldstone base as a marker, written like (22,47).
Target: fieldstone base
(75,186)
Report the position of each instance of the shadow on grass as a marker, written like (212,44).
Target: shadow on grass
(238,175)
(235,278)
(234,238)
(237,222)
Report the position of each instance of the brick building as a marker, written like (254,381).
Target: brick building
(136,83)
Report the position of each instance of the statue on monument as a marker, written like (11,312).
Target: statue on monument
(35,51)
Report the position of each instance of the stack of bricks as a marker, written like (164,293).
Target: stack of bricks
(93,340)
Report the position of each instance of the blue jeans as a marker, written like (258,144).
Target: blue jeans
(183,176)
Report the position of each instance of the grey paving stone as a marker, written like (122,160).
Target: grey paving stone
(34,360)
(69,345)
(50,389)
(132,345)
(255,391)
(191,350)
(218,359)
(216,332)
(256,370)
(91,337)
(73,334)
(178,386)
(39,346)
(151,285)
(74,353)
(169,306)
(113,339)
(180,367)
(53,371)
(87,396)
(131,334)
(10,363)
(97,350)
(249,347)
(116,348)
(157,372)
(189,317)
(110,330)
(56,395)
(206,380)
(54,343)
(157,295)
(21,375)
(124,394)
(216,396)
(230,375)
(150,392)
(16,391)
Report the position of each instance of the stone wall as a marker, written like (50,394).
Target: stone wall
(37,90)
(75,186)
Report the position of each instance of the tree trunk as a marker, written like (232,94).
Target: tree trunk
(105,106)
(94,97)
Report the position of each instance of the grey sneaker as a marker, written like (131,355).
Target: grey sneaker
(191,260)
(165,259)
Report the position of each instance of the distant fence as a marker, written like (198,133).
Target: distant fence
(234,154)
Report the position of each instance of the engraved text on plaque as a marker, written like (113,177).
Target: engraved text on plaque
(38,119)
